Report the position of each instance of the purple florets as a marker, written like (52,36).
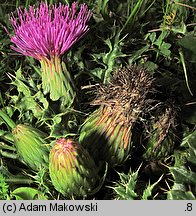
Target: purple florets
(48,31)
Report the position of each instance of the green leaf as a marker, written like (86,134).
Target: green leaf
(150,66)
(125,189)
(148,191)
(130,194)
(137,54)
(26,193)
(120,191)
(188,42)
(108,59)
(164,49)
(190,140)
(152,37)
(165,45)
(4,188)
(7,136)
(132,181)
(182,175)
(123,178)
(192,152)
(40,97)
(182,29)
(180,158)
(160,39)
(180,195)
(179,192)
(27,99)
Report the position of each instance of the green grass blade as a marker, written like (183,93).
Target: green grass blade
(185,71)
(132,14)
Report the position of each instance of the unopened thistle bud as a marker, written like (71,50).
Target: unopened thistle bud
(72,171)
(31,146)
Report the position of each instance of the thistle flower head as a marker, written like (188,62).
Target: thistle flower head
(107,133)
(126,91)
(47,31)
(72,170)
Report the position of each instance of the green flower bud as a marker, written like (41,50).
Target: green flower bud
(31,146)
(105,137)
(72,170)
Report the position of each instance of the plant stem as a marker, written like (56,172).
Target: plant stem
(163,26)
(19,180)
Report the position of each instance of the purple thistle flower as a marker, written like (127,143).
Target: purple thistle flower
(48,31)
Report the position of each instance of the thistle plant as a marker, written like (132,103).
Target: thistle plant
(107,132)
(46,33)
(72,170)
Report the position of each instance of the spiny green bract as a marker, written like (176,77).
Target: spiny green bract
(31,146)
(72,170)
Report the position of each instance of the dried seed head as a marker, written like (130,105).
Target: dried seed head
(161,132)
(107,133)
(127,92)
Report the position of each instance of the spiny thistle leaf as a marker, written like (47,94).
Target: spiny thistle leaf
(148,191)
(26,99)
(125,189)
(108,59)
